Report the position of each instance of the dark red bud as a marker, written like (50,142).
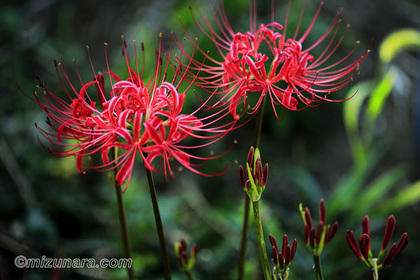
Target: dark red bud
(331,231)
(275,255)
(241,176)
(272,240)
(322,211)
(284,245)
(194,250)
(250,158)
(351,240)
(391,255)
(308,219)
(312,237)
(183,244)
(364,243)
(389,230)
(306,230)
(265,174)
(365,225)
(293,249)
(287,259)
(281,261)
(402,243)
(319,232)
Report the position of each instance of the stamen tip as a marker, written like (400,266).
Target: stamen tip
(235,141)
(106,44)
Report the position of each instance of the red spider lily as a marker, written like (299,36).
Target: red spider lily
(287,72)
(283,258)
(365,253)
(185,263)
(134,116)
(317,239)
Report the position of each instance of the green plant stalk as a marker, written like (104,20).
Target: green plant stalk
(261,243)
(189,275)
(124,230)
(245,225)
(374,273)
(318,267)
(159,227)
(123,223)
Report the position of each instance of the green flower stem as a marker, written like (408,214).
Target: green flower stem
(159,227)
(123,224)
(318,267)
(124,230)
(244,237)
(242,250)
(261,243)
(189,275)
(374,274)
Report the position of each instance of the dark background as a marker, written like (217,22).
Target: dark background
(48,208)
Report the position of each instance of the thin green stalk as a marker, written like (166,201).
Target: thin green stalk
(123,224)
(159,227)
(244,237)
(318,267)
(124,230)
(261,243)
(242,250)
(374,274)
(189,275)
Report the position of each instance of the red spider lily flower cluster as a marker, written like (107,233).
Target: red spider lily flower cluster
(288,72)
(134,116)
(317,239)
(282,259)
(185,263)
(365,253)
(255,178)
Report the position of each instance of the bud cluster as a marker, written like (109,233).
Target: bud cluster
(365,253)
(316,239)
(282,259)
(185,263)
(255,178)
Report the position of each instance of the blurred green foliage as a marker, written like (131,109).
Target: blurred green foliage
(360,155)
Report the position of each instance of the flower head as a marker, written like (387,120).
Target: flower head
(266,60)
(284,257)
(365,253)
(317,239)
(185,262)
(133,118)
(255,178)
